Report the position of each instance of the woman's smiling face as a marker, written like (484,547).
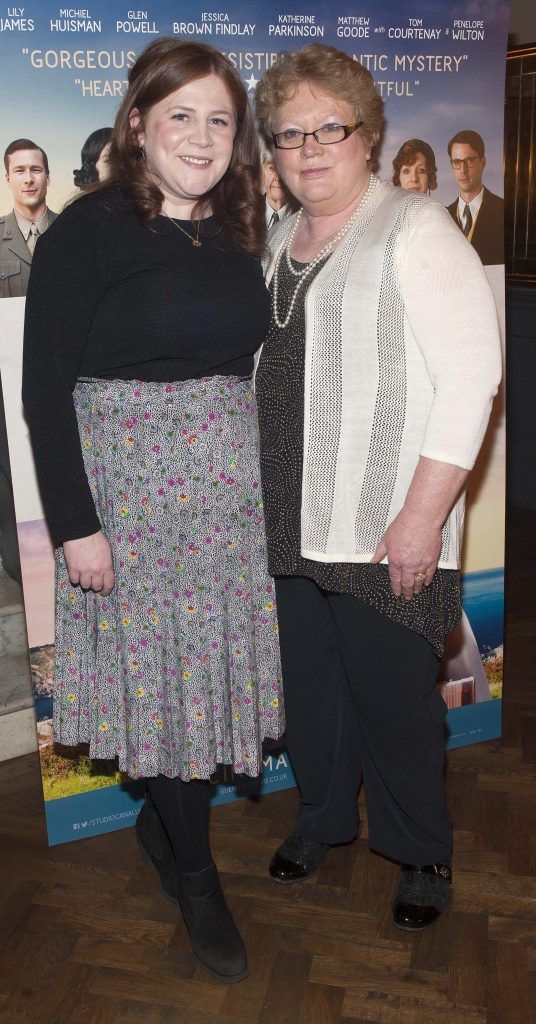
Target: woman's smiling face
(324,179)
(188,141)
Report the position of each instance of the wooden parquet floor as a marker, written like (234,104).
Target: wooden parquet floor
(86,936)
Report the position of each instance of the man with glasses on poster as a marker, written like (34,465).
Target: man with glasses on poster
(477,211)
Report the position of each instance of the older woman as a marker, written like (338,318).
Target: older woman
(374,388)
(147,302)
(414,167)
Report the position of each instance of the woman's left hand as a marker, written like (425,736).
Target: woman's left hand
(412,545)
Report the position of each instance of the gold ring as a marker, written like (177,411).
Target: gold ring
(420,576)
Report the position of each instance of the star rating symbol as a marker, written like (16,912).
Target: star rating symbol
(251,82)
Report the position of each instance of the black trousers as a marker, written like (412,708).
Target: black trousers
(363,705)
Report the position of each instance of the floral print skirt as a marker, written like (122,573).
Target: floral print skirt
(178,669)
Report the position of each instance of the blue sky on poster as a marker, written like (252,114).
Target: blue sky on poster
(59,106)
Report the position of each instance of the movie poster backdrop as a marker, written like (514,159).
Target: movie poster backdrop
(439,69)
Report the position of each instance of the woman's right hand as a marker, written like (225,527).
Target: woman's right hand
(90,564)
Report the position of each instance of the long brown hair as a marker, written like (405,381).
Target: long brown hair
(235,201)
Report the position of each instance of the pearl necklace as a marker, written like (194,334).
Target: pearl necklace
(309,267)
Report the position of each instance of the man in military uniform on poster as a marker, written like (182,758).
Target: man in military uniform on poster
(27,177)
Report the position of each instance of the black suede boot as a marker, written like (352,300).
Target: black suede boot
(215,939)
(155,847)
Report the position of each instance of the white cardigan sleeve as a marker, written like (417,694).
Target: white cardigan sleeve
(451,312)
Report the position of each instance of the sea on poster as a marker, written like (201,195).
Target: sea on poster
(64,72)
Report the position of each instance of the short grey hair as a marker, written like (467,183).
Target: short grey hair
(331,71)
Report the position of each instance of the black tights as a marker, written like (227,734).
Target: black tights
(184,812)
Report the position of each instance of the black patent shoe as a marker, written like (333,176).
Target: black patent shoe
(155,847)
(423,894)
(297,859)
(216,941)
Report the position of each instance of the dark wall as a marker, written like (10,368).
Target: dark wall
(522,22)
(521,396)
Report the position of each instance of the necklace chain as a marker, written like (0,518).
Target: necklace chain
(195,241)
(308,269)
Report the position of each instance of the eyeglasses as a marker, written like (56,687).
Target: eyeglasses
(469,160)
(326,135)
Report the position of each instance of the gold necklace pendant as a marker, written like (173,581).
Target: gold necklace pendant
(195,241)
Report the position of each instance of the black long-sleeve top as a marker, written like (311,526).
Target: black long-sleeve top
(111,298)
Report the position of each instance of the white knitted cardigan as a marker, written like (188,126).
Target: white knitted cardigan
(402,359)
